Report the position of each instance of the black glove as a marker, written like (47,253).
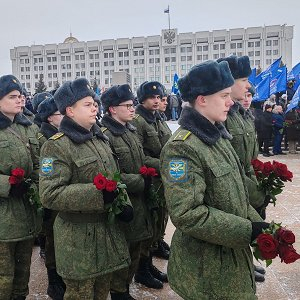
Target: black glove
(19,190)
(109,197)
(257,228)
(148,182)
(126,215)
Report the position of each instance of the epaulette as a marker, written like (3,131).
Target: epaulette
(136,116)
(103,129)
(39,135)
(182,135)
(56,136)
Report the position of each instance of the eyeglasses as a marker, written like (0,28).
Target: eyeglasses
(129,106)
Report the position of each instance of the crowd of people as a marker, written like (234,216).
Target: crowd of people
(98,186)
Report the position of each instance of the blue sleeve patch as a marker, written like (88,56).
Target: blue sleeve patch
(178,170)
(46,166)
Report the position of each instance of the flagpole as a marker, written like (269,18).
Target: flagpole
(169,17)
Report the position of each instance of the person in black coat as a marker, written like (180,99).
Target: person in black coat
(267,129)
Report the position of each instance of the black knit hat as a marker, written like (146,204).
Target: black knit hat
(116,95)
(204,79)
(239,66)
(47,108)
(38,99)
(71,92)
(148,89)
(9,83)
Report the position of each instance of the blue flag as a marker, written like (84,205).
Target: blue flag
(295,101)
(294,72)
(271,70)
(262,90)
(175,85)
(278,83)
(252,76)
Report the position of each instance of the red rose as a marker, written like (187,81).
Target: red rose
(144,170)
(279,168)
(285,235)
(266,243)
(287,253)
(286,176)
(268,168)
(269,255)
(100,181)
(18,172)
(257,164)
(111,185)
(152,172)
(13,180)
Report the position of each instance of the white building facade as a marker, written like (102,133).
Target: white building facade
(147,58)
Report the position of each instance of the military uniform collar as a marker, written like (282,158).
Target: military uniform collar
(37,120)
(207,132)
(114,126)
(145,113)
(77,133)
(27,112)
(19,119)
(161,116)
(48,130)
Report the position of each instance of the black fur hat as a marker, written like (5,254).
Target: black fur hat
(71,92)
(148,89)
(9,83)
(116,95)
(239,66)
(97,99)
(204,79)
(38,99)
(47,108)
(252,90)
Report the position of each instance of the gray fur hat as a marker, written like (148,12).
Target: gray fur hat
(38,99)
(204,79)
(116,95)
(148,89)
(71,92)
(47,108)
(239,66)
(9,83)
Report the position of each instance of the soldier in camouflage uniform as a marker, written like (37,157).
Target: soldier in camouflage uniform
(51,118)
(208,203)
(36,101)
(19,221)
(153,136)
(240,125)
(88,249)
(119,110)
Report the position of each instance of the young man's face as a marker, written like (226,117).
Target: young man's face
(11,104)
(163,104)
(124,112)
(216,106)
(152,102)
(246,102)
(55,119)
(240,88)
(83,112)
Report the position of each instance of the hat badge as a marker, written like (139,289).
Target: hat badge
(154,87)
(88,86)
(129,90)
(14,80)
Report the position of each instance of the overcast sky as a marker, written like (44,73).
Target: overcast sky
(24,23)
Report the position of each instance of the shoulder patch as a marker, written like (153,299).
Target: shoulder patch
(178,170)
(136,116)
(56,136)
(182,135)
(103,129)
(39,136)
(46,168)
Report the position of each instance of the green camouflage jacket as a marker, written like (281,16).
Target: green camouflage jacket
(86,245)
(240,125)
(210,257)
(18,217)
(45,132)
(125,143)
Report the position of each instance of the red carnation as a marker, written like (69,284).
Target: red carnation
(287,253)
(144,170)
(152,172)
(285,235)
(19,173)
(257,164)
(268,168)
(100,181)
(266,243)
(111,185)
(13,180)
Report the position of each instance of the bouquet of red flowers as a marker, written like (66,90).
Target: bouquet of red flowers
(150,192)
(18,181)
(271,177)
(275,241)
(113,185)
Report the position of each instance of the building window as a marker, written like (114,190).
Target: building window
(54,67)
(222,55)
(275,52)
(232,45)
(167,50)
(27,76)
(91,56)
(91,65)
(216,47)
(120,54)
(268,61)
(257,44)
(120,62)
(151,60)
(126,53)
(222,46)
(41,68)
(182,67)
(182,49)
(22,69)
(54,75)
(82,57)
(77,74)
(257,62)
(82,65)
(205,57)
(48,59)
(69,66)
(239,45)
(251,53)
(126,62)
(188,58)
(106,80)
(167,59)
(111,63)
(268,52)
(157,52)
(36,76)
(91,73)
(157,60)
(173,59)
(275,43)
(199,48)
(50,83)
(68,58)
(268,43)
(205,48)
(76,57)
(54,59)
(257,53)
(183,58)
(49,67)
(135,53)
(82,73)
(216,56)
(173,50)
(49,75)
(199,57)
(250,44)
(111,55)
(62,58)
(141,52)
